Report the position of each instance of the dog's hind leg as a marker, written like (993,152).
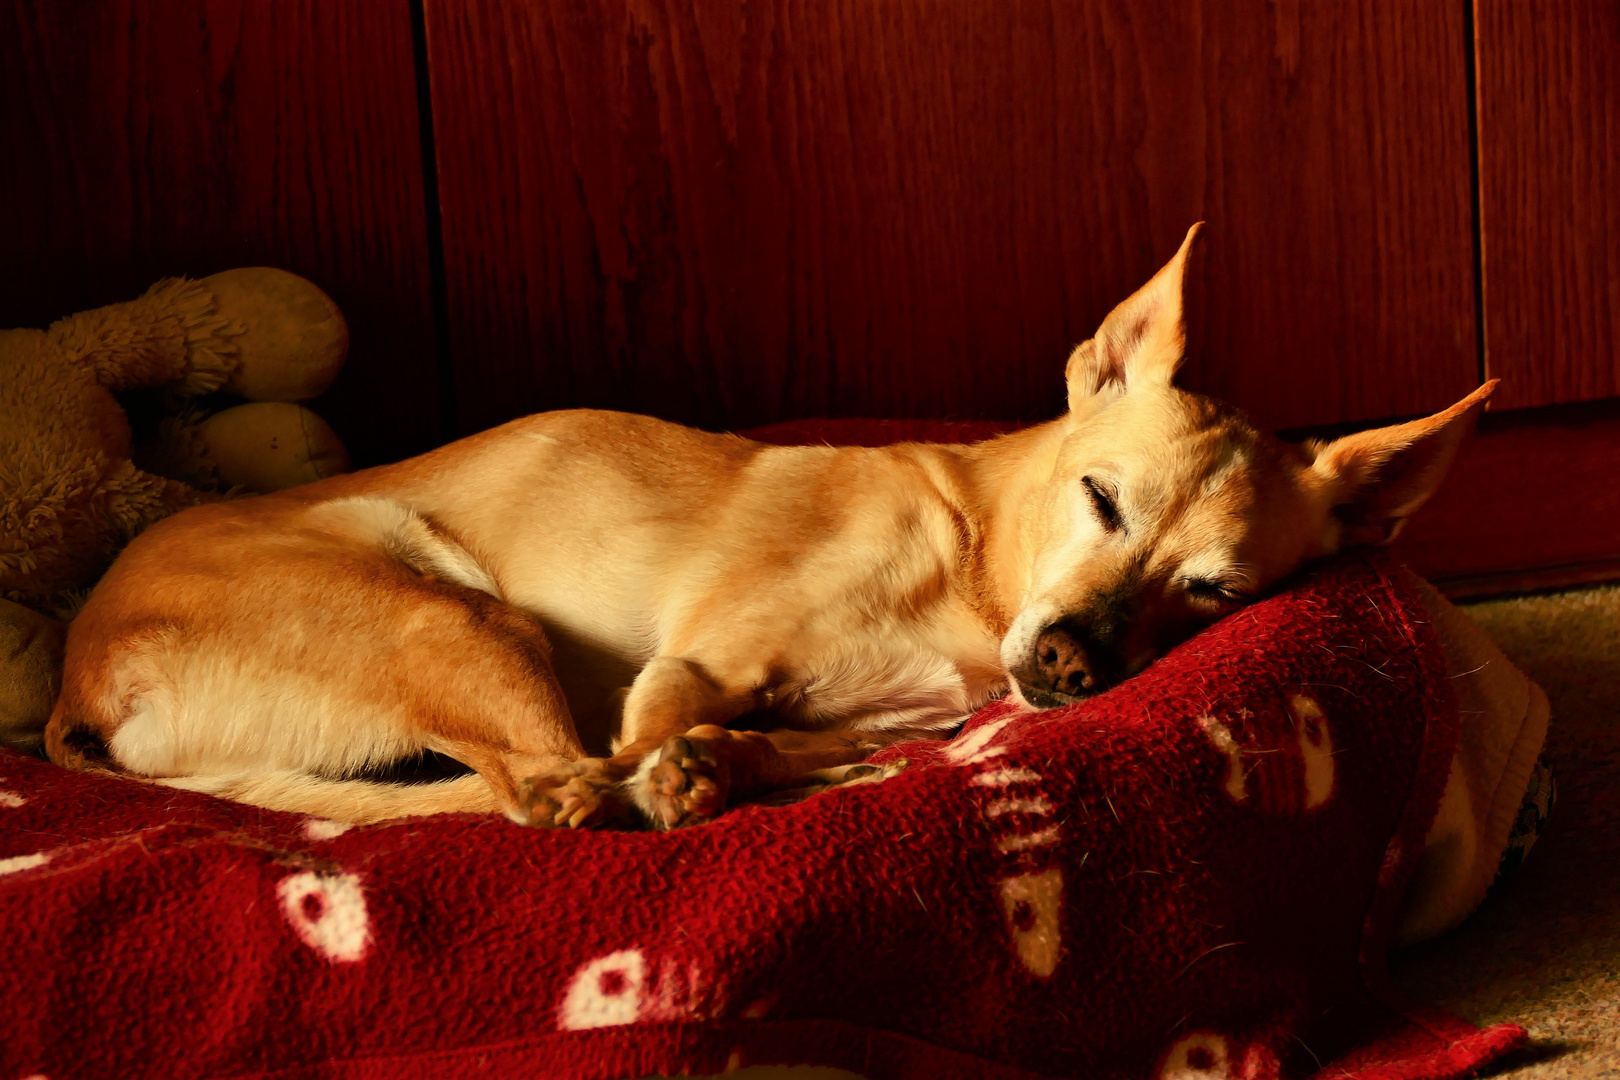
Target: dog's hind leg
(362,637)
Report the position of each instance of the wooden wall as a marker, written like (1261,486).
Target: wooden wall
(736,213)
(1549,163)
(739,212)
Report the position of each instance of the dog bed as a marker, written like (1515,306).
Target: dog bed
(1192,876)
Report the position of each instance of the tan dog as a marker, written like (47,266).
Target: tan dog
(273,649)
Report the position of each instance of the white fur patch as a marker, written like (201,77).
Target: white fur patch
(329,912)
(408,537)
(11,800)
(1003,777)
(141,691)
(640,787)
(24,862)
(880,689)
(605,992)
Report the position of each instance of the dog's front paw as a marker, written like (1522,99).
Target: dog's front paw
(578,795)
(687,784)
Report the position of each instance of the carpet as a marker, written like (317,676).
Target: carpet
(1544,950)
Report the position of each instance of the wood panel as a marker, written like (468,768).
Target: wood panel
(735,213)
(1549,136)
(143,138)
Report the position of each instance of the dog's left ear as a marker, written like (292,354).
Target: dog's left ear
(1379,478)
(1143,340)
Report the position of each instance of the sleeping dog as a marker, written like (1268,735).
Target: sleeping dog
(595,578)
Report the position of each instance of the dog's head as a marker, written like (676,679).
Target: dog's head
(1166,510)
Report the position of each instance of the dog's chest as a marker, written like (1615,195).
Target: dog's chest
(925,677)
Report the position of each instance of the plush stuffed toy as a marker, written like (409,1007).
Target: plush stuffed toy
(74,485)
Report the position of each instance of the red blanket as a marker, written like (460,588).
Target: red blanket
(1191,876)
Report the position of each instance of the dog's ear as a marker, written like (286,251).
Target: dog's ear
(1143,340)
(1379,478)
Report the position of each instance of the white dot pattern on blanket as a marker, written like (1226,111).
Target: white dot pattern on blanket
(24,862)
(1030,899)
(624,987)
(11,800)
(1208,1055)
(1313,738)
(329,913)
(1237,773)
(1031,905)
(1315,748)
(605,992)
(1203,1055)
(975,747)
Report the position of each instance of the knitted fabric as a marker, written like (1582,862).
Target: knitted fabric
(1191,876)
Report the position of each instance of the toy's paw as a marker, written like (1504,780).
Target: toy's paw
(578,795)
(292,338)
(688,783)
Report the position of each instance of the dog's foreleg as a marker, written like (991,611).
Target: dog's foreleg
(671,695)
(692,775)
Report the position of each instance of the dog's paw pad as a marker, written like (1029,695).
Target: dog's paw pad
(687,785)
(568,799)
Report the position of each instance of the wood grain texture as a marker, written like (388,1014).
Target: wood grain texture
(1549,133)
(142,138)
(736,213)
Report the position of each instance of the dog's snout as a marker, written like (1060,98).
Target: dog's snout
(1066,659)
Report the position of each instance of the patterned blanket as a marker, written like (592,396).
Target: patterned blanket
(1192,876)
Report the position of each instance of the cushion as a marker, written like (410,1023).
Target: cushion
(1193,875)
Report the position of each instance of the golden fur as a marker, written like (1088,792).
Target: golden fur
(577,604)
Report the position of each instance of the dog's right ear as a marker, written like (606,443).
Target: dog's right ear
(1378,478)
(1143,340)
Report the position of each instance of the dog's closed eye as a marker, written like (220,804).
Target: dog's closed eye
(1103,502)
(1210,591)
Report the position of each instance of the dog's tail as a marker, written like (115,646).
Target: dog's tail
(407,536)
(359,802)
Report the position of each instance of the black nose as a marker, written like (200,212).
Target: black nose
(1063,662)
(1073,659)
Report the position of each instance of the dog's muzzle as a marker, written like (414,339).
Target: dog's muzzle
(1067,665)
